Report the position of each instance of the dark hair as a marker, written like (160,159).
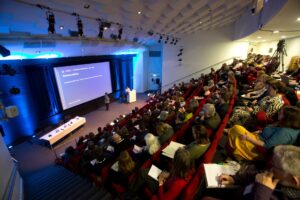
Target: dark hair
(182,163)
(291,117)
(201,134)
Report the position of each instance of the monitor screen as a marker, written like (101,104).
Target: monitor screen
(78,84)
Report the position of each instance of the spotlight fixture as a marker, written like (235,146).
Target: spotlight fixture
(61,27)
(179,54)
(175,42)
(120,32)
(167,40)
(179,59)
(80,27)
(160,38)
(101,29)
(276,31)
(51,22)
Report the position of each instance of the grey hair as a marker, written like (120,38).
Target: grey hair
(152,143)
(288,158)
(210,108)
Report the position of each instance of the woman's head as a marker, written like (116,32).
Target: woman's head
(289,116)
(182,163)
(126,164)
(272,86)
(209,110)
(200,134)
(152,143)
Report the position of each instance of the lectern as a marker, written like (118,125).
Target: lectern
(131,96)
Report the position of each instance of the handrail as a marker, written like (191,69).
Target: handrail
(201,70)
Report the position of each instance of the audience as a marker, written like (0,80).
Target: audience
(263,100)
(244,143)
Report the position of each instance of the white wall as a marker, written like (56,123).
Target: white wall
(200,50)
(292,49)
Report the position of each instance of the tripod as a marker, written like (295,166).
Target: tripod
(279,53)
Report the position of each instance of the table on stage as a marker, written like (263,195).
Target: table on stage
(55,135)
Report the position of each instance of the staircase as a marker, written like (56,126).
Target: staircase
(57,183)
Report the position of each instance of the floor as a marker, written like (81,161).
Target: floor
(32,156)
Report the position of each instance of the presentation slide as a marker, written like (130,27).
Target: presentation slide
(78,84)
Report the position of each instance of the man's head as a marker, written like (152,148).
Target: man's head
(286,165)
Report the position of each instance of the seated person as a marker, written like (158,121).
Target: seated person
(119,143)
(164,132)
(244,144)
(281,181)
(194,104)
(209,117)
(126,166)
(188,114)
(223,104)
(152,143)
(270,104)
(201,143)
(169,185)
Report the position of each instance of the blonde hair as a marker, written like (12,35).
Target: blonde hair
(152,143)
(126,164)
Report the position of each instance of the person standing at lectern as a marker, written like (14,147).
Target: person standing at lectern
(106,101)
(127,91)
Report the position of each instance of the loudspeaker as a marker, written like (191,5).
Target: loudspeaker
(2,131)
(4,51)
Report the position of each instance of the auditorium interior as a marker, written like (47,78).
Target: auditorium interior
(149,99)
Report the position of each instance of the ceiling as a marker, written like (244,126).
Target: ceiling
(138,17)
(144,20)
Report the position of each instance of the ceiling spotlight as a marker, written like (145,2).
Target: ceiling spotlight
(79,26)
(275,31)
(160,38)
(101,29)
(298,19)
(120,32)
(175,42)
(259,37)
(180,59)
(61,27)
(167,40)
(51,22)
(200,22)
(139,12)
(86,6)
(283,36)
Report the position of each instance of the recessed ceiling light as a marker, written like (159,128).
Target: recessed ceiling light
(139,12)
(264,40)
(298,19)
(259,37)
(283,36)
(61,27)
(105,28)
(275,31)
(200,22)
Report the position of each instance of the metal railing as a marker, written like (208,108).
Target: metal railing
(197,72)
